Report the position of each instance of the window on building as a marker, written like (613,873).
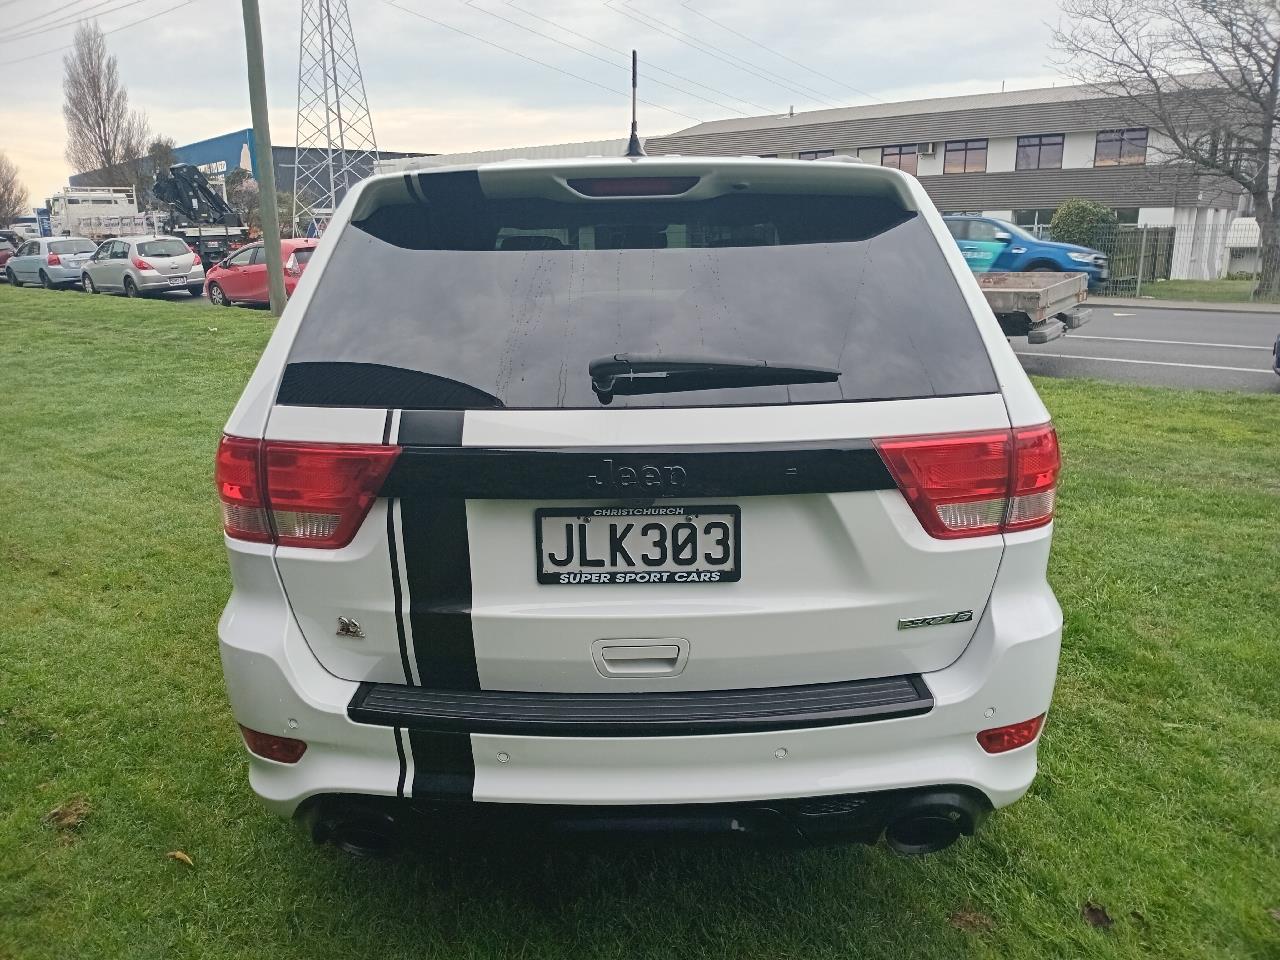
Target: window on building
(1126,214)
(965,156)
(767,156)
(901,157)
(1042,151)
(1120,147)
(815,154)
(1036,217)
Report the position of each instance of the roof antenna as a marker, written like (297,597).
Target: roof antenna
(634,147)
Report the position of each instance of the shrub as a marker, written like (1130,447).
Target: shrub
(1084,222)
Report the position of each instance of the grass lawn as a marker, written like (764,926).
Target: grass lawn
(1158,798)
(1210,291)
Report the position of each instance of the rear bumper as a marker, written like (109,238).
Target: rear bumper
(161,282)
(1005,675)
(62,274)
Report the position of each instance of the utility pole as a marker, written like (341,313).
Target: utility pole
(266,162)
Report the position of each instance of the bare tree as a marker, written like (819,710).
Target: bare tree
(1205,74)
(161,155)
(13,195)
(103,135)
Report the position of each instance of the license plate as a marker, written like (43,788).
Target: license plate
(664,543)
(177,281)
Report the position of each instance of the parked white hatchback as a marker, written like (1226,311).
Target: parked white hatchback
(136,266)
(640,494)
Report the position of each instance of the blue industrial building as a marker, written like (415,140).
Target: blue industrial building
(220,156)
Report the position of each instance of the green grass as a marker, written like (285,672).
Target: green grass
(1207,291)
(1158,797)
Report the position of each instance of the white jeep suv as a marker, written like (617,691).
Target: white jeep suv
(658,493)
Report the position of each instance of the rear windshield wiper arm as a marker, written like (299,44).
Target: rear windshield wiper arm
(631,374)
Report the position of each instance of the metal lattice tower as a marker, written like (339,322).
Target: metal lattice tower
(336,147)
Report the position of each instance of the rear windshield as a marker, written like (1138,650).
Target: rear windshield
(302,254)
(460,301)
(72,246)
(166,247)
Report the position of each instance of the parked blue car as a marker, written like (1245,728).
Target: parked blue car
(996,245)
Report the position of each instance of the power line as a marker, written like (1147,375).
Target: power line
(76,18)
(711,50)
(105,33)
(585,53)
(541,63)
(687,4)
(29,29)
(648,67)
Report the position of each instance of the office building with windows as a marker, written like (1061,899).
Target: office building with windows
(1014,155)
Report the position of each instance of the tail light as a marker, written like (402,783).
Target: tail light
(975,484)
(272,747)
(298,494)
(238,473)
(195,261)
(1002,739)
(291,266)
(141,264)
(53,260)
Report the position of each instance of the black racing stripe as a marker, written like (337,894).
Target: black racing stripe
(442,765)
(437,561)
(403,766)
(431,428)
(397,593)
(413,190)
(386,427)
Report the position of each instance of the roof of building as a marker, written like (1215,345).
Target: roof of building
(902,108)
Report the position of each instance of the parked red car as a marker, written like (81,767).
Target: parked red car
(6,251)
(242,277)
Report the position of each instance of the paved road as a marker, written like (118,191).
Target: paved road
(1204,349)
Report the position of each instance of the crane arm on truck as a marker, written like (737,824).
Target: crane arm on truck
(200,216)
(186,190)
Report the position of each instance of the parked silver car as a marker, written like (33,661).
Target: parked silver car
(139,265)
(52,262)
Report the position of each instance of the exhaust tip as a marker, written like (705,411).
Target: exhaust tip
(921,834)
(930,822)
(357,831)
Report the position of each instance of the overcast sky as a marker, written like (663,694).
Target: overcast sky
(436,89)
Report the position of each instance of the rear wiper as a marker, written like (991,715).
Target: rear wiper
(630,374)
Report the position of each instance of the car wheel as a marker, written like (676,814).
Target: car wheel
(12,277)
(218,296)
(86,281)
(46,282)
(130,289)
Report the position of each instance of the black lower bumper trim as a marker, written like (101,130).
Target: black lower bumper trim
(857,817)
(682,713)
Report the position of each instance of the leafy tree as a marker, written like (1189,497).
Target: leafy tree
(1084,222)
(244,198)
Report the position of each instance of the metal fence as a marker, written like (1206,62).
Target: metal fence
(1220,261)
